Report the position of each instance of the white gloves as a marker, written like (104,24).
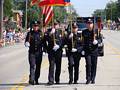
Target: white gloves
(83,52)
(95,42)
(79,31)
(52,31)
(27,44)
(100,45)
(74,50)
(56,47)
(71,35)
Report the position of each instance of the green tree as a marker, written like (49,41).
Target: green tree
(111,12)
(7,7)
(32,11)
(60,13)
(98,12)
(118,7)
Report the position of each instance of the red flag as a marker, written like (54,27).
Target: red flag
(55,2)
(44,10)
(47,14)
(45,2)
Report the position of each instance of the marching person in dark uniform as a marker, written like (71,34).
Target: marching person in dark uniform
(54,39)
(74,44)
(34,40)
(91,51)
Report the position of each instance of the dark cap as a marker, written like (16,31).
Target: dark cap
(55,23)
(74,25)
(89,21)
(36,23)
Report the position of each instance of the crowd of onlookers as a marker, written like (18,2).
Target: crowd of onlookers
(11,36)
(115,26)
(112,26)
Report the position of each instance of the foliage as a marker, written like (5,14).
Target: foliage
(7,8)
(60,13)
(111,12)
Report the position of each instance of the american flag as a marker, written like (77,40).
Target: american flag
(47,14)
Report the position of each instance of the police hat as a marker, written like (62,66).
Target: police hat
(74,25)
(89,21)
(35,23)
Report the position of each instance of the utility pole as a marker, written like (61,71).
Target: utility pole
(26,15)
(1,18)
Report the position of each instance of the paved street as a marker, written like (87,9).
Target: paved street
(14,69)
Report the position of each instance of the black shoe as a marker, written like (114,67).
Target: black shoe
(92,82)
(31,82)
(75,82)
(50,83)
(36,82)
(57,83)
(88,82)
(70,82)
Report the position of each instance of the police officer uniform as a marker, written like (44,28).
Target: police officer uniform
(54,41)
(74,55)
(91,53)
(35,42)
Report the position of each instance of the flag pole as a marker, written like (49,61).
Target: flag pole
(53,27)
(42,23)
(94,27)
(71,24)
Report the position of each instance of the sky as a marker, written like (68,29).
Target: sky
(86,7)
